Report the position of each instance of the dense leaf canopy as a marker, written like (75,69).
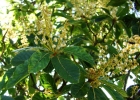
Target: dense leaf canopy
(70,50)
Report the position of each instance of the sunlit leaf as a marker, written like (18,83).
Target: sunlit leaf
(38,61)
(48,82)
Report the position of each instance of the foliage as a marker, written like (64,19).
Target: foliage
(64,49)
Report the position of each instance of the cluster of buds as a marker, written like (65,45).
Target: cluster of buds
(93,76)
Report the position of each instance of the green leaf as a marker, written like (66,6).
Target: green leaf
(21,57)
(39,96)
(114,94)
(66,88)
(80,53)
(66,69)
(42,96)
(112,50)
(20,72)
(119,30)
(80,89)
(127,29)
(48,82)
(116,2)
(91,94)
(20,98)
(7,75)
(61,98)
(96,94)
(38,61)
(49,68)
(6,98)
(32,83)
(48,1)
(113,86)
(100,18)
(122,10)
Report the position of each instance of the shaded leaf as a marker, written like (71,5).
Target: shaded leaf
(80,89)
(99,18)
(38,61)
(20,98)
(119,30)
(32,83)
(21,57)
(6,98)
(80,53)
(96,94)
(66,69)
(49,68)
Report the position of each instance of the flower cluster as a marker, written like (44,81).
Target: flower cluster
(93,76)
(117,64)
(53,39)
(88,8)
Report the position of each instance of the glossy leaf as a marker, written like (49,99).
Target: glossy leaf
(20,72)
(80,53)
(21,57)
(113,86)
(96,94)
(38,61)
(48,82)
(115,95)
(80,89)
(66,69)
(116,2)
(122,10)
